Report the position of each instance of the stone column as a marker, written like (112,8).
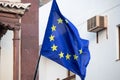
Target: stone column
(16,52)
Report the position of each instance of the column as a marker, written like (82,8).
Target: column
(16,52)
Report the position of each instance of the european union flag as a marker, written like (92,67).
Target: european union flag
(63,44)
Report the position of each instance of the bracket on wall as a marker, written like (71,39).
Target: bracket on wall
(97,35)
(96,24)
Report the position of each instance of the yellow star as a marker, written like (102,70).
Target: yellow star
(68,56)
(66,21)
(80,51)
(53,28)
(54,47)
(75,57)
(61,54)
(60,21)
(51,38)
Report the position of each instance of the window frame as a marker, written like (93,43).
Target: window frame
(118,59)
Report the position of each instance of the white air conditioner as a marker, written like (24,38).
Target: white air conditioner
(97,23)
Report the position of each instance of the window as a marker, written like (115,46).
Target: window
(119,42)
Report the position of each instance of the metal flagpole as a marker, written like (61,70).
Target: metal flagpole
(37,66)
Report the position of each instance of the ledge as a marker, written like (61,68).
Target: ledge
(15,8)
(10,14)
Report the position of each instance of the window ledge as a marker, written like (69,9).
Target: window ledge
(117,60)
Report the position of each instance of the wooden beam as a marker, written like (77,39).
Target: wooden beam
(9,20)
(70,77)
(3,14)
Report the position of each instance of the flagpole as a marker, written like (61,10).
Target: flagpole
(37,66)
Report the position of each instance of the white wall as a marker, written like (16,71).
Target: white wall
(103,64)
(6,57)
(50,70)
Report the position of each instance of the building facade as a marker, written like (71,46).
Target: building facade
(104,46)
(18,39)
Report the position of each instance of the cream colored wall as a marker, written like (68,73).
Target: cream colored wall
(6,58)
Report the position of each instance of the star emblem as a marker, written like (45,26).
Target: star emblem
(53,28)
(68,56)
(61,54)
(75,57)
(60,21)
(51,38)
(80,51)
(66,21)
(54,48)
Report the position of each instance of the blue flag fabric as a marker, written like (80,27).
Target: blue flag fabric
(63,44)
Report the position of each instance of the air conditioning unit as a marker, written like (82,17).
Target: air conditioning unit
(97,23)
